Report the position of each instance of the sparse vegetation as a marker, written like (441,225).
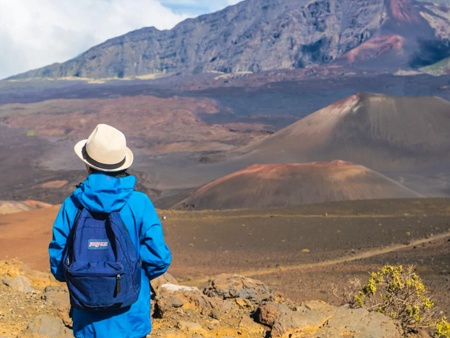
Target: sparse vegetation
(399,293)
(438,68)
(31,133)
(443,328)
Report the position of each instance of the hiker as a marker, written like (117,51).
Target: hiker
(108,188)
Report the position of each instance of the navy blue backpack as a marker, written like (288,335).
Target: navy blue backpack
(101,263)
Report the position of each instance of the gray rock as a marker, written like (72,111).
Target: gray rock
(228,286)
(58,298)
(172,297)
(19,283)
(163,279)
(359,323)
(321,320)
(49,327)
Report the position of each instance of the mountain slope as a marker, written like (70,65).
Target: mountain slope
(413,35)
(272,185)
(258,35)
(379,131)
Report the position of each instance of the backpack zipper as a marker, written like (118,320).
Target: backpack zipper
(118,286)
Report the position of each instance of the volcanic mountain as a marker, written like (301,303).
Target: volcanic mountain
(404,138)
(382,132)
(259,35)
(281,185)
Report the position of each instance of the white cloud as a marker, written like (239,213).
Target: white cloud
(34,33)
(198,6)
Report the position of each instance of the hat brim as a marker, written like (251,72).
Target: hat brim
(78,148)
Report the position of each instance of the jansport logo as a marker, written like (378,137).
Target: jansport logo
(98,244)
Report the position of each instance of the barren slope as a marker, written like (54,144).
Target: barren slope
(154,125)
(10,207)
(412,35)
(272,185)
(297,250)
(37,140)
(379,131)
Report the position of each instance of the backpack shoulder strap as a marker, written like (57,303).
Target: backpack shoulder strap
(75,221)
(67,253)
(117,219)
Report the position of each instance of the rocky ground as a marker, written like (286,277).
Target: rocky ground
(291,258)
(34,305)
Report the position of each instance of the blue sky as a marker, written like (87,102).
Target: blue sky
(35,33)
(197,6)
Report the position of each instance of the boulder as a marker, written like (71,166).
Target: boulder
(47,326)
(320,320)
(58,298)
(19,283)
(171,297)
(163,279)
(233,286)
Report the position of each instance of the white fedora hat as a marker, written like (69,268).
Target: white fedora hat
(105,149)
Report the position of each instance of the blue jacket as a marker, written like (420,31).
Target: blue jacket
(104,193)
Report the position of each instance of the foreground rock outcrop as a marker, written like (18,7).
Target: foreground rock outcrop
(233,305)
(33,304)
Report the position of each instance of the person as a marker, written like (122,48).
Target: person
(109,187)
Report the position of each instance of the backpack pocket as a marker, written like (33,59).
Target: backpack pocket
(97,285)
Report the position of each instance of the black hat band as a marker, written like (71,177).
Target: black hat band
(101,165)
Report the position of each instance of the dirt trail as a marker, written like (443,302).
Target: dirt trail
(353,257)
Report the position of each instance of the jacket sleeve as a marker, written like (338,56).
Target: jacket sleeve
(60,232)
(155,254)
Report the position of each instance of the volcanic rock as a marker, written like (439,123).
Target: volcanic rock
(257,35)
(318,319)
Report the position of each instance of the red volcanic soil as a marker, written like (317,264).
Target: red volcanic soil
(153,124)
(404,10)
(374,47)
(398,44)
(300,251)
(26,235)
(281,185)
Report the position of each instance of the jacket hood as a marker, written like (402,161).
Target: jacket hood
(105,193)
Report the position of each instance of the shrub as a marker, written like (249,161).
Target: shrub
(443,328)
(400,294)
(31,133)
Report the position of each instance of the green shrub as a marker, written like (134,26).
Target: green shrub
(31,133)
(400,294)
(443,328)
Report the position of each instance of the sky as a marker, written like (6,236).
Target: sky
(37,33)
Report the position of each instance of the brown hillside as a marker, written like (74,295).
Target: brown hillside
(279,185)
(379,131)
